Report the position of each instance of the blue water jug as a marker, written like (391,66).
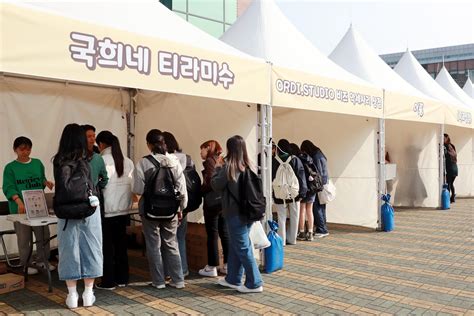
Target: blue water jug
(445,198)
(274,253)
(388,221)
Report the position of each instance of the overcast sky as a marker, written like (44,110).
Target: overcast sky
(388,26)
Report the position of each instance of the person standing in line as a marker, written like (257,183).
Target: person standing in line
(117,207)
(290,206)
(213,219)
(99,173)
(451,165)
(241,258)
(172,147)
(160,235)
(25,173)
(319,210)
(306,204)
(79,240)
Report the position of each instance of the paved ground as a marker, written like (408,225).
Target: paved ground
(424,267)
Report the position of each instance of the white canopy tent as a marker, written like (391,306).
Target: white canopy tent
(458,122)
(469,88)
(344,128)
(88,70)
(445,80)
(411,145)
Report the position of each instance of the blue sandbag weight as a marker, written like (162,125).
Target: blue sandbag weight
(445,198)
(387,214)
(274,253)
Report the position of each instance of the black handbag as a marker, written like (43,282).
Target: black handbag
(213,202)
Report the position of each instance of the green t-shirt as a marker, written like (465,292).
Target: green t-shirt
(98,171)
(18,176)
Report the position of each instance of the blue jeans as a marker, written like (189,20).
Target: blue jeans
(319,212)
(241,254)
(181,236)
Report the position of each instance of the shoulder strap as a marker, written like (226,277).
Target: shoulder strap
(153,161)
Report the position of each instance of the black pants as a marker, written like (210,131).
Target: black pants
(114,247)
(216,227)
(450,179)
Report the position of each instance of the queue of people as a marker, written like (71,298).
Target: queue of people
(95,186)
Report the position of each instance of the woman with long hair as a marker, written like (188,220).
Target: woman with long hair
(79,240)
(225,180)
(160,234)
(213,219)
(319,210)
(117,207)
(451,166)
(306,203)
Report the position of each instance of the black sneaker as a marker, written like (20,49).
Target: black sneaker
(99,286)
(301,236)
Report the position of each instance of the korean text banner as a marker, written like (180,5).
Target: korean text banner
(296,89)
(37,43)
(459,116)
(405,107)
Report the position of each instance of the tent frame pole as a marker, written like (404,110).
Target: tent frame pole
(382,184)
(265,150)
(131,124)
(441,162)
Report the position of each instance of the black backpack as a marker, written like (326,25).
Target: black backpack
(314,179)
(161,197)
(193,186)
(73,186)
(252,203)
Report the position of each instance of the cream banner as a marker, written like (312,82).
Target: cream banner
(38,43)
(413,108)
(296,89)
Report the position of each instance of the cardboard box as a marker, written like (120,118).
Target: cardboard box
(196,247)
(3,268)
(11,282)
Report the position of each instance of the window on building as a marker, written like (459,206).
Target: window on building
(212,16)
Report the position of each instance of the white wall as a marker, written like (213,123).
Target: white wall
(349,143)
(414,148)
(194,120)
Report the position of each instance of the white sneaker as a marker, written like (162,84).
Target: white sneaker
(208,271)
(42,266)
(88,299)
(177,285)
(223,282)
(244,289)
(223,270)
(32,271)
(318,235)
(158,286)
(71,300)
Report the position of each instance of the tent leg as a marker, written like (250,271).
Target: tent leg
(131,124)
(382,185)
(441,162)
(265,150)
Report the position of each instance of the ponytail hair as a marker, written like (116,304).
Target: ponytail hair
(110,140)
(157,142)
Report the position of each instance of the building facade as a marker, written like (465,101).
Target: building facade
(459,61)
(212,16)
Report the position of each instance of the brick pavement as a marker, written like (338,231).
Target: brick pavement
(424,267)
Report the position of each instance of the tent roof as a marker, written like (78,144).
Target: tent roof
(144,17)
(469,88)
(447,82)
(264,31)
(355,55)
(410,69)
